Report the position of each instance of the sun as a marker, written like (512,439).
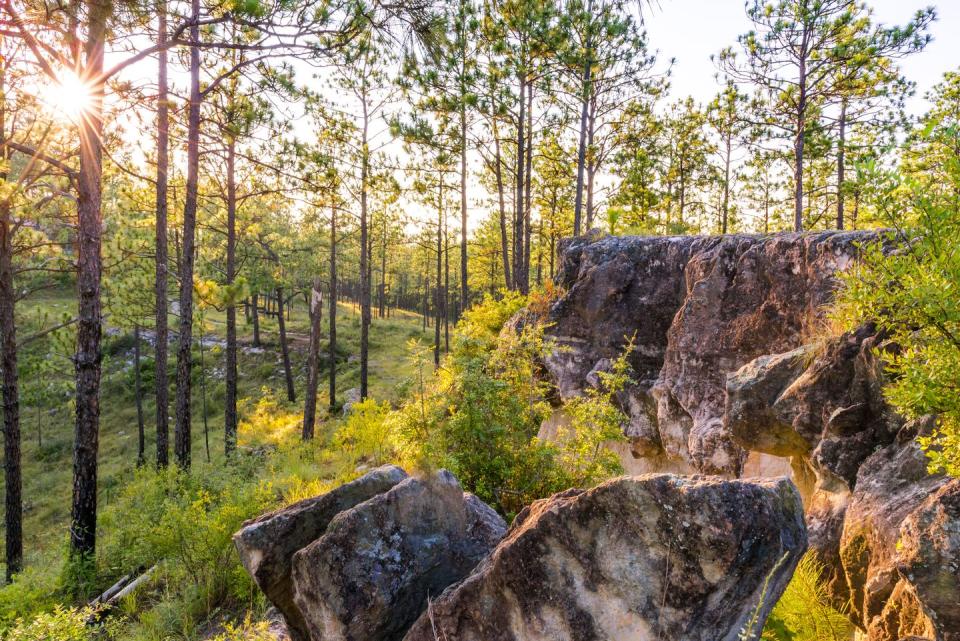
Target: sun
(68,96)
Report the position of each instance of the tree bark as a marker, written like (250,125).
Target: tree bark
(284,348)
(13,500)
(798,145)
(584,105)
(364,259)
(527,195)
(518,204)
(87,361)
(504,243)
(437,302)
(230,402)
(161,381)
(182,437)
(464,285)
(332,345)
(138,395)
(313,362)
(255,314)
(841,163)
(591,164)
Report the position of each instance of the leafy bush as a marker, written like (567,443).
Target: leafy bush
(911,294)
(480,413)
(366,435)
(60,623)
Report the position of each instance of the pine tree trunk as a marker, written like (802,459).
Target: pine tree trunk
(591,164)
(138,395)
(798,145)
(464,285)
(203,393)
(584,105)
(13,500)
(182,436)
(230,402)
(161,381)
(841,163)
(255,314)
(518,208)
(332,346)
(87,361)
(284,348)
(364,260)
(313,362)
(501,199)
(437,302)
(726,186)
(527,195)
(446,287)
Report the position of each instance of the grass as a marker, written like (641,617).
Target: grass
(47,469)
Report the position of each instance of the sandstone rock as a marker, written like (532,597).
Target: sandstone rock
(823,403)
(698,308)
(267,544)
(650,557)
(900,546)
(369,576)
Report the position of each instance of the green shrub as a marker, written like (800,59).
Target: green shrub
(61,624)
(911,294)
(366,435)
(479,414)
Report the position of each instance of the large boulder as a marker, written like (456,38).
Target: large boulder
(649,557)
(696,308)
(370,575)
(267,543)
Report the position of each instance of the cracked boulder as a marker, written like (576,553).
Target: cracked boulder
(267,543)
(369,576)
(648,557)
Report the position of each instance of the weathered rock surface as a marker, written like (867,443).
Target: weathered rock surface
(698,308)
(267,544)
(900,545)
(649,557)
(369,576)
(731,361)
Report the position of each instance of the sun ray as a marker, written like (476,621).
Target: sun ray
(68,97)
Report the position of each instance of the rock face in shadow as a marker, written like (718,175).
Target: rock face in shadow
(646,558)
(697,308)
(267,544)
(369,576)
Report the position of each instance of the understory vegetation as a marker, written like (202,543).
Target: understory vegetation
(478,415)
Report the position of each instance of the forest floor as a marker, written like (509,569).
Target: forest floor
(47,430)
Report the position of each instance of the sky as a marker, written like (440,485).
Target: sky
(692,30)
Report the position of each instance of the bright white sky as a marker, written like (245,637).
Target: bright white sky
(692,30)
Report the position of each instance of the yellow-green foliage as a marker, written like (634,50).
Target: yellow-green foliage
(805,611)
(245,631)
(60,624)
(365,434)
(912,295)
(480,413)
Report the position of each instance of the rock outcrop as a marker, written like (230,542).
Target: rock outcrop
(697,308)
(369,576)
(731,359)
(267,544)
(360,561)
(650,557)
